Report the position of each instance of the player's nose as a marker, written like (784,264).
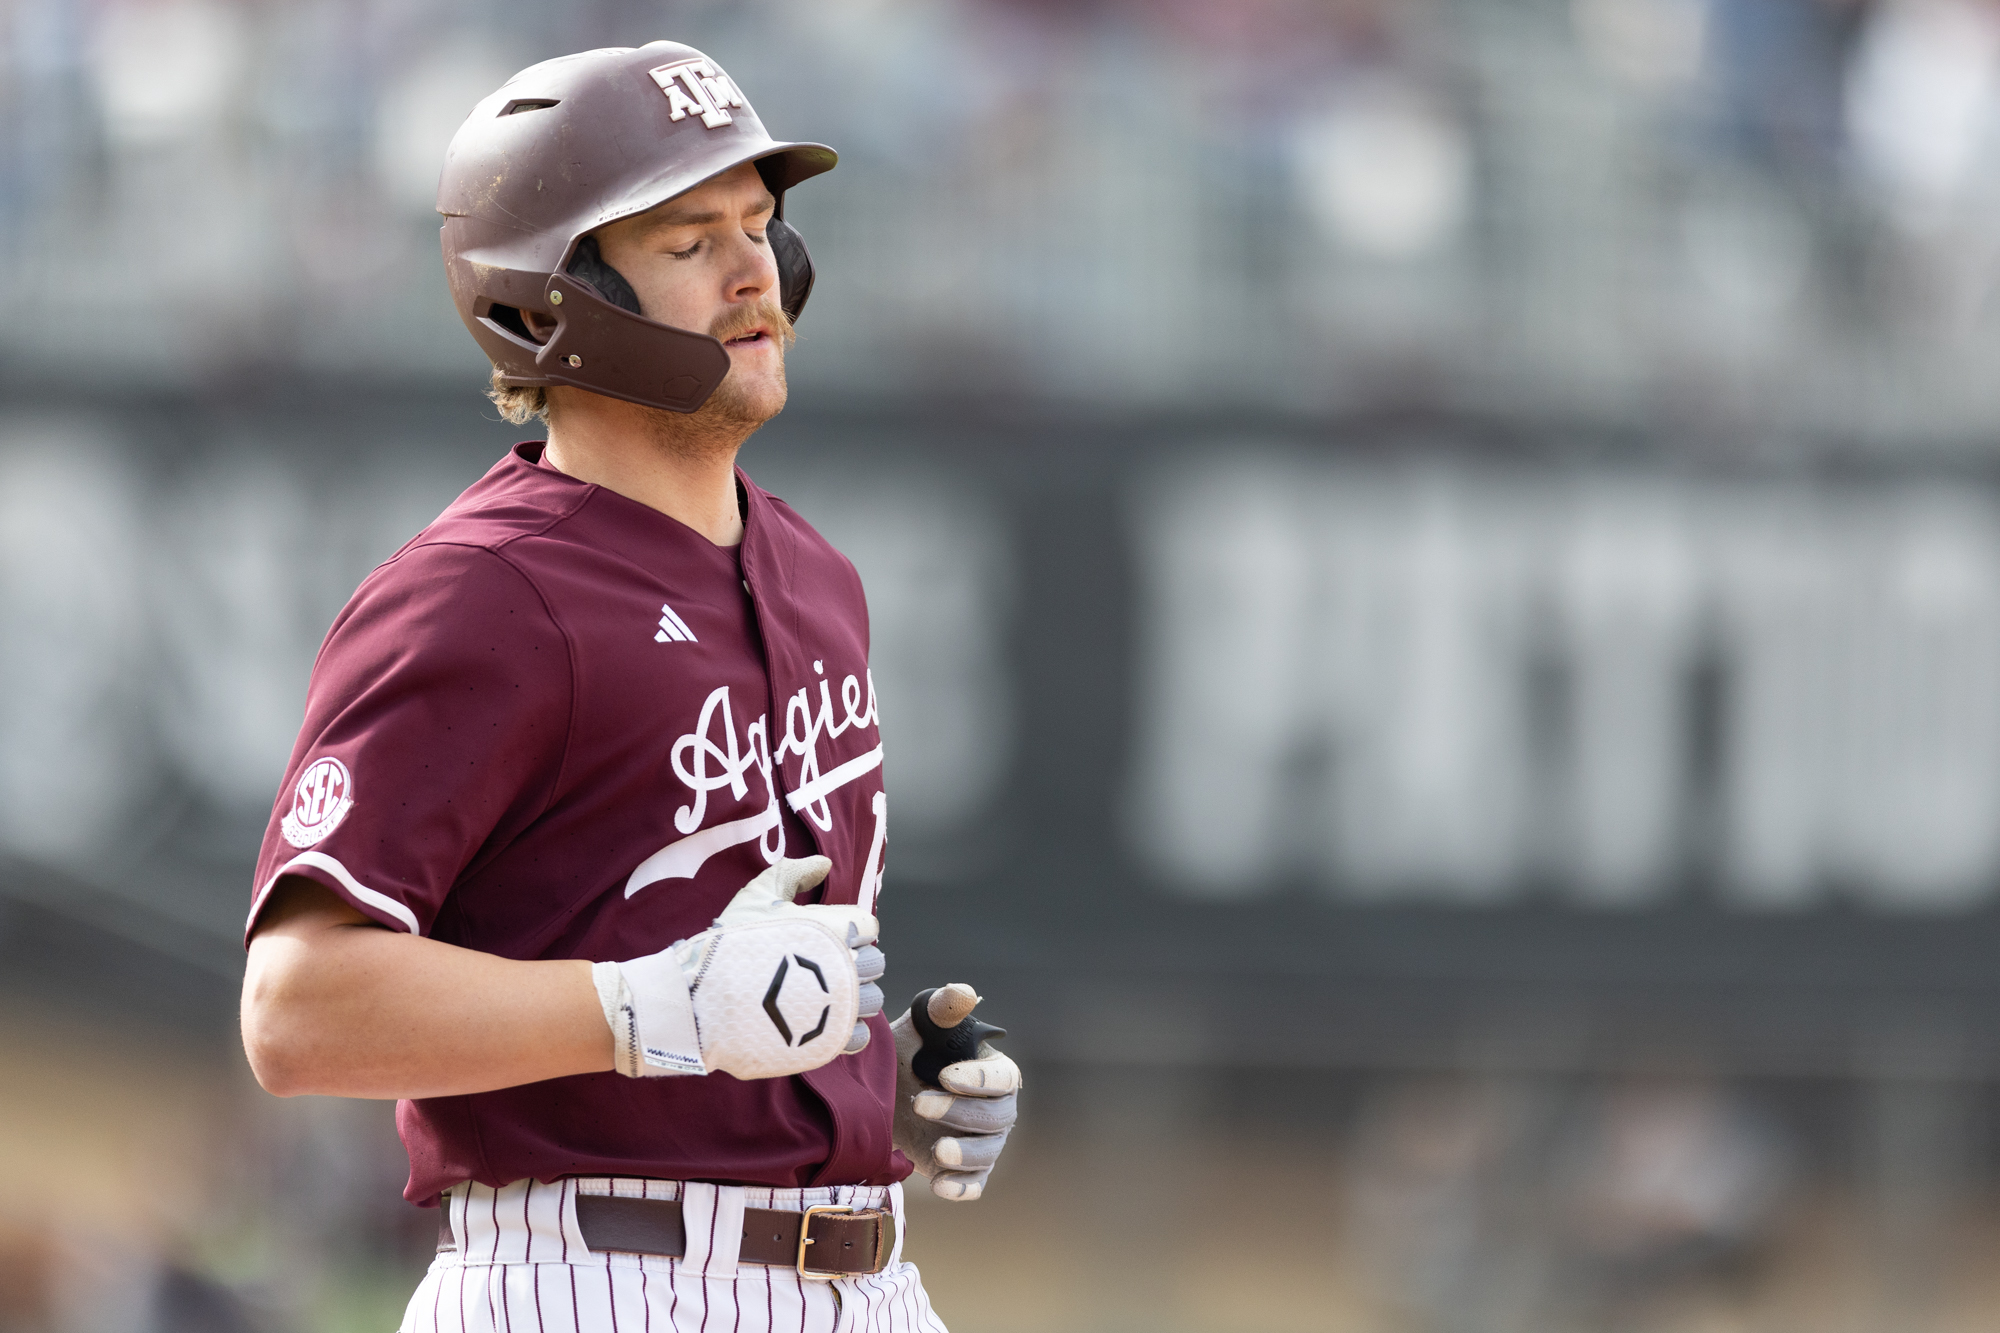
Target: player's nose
(754,270)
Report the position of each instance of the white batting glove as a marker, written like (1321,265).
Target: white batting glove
(771,989)
(954,1132)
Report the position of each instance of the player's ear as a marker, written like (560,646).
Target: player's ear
(539,326)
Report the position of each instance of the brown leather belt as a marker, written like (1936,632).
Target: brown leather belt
(822,1241)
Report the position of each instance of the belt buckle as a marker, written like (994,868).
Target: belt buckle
(805,1239)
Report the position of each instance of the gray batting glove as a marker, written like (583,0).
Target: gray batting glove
(954,1132)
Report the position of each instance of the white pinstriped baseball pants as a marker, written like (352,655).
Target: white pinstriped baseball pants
(521,1267)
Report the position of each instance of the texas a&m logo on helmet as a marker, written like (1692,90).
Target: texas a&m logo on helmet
(320,801)
(698,88)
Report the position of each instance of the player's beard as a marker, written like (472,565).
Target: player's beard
(738,406)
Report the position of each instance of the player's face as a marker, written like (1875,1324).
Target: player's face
(701,261)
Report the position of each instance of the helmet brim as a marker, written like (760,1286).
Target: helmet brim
(794,162)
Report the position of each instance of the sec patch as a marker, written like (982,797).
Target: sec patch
(321,800)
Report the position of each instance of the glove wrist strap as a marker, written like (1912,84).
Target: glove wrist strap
(652,1024)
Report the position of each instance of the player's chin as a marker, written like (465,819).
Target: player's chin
(755,386)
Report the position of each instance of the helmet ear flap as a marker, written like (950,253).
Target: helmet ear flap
(795,265)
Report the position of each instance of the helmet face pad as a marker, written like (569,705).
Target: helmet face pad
(566,147)
(795,265)
(588,264)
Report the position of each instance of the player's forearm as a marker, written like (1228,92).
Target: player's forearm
(351,1010)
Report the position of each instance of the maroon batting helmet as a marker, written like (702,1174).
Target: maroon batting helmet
(567,146)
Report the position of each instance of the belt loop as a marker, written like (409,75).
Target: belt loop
(447,1238)
(896,1211)
(712,1217)
(572,1231)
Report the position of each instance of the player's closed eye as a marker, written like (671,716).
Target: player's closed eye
(756,238)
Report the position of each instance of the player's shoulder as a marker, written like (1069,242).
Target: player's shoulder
(480,535)
(465,563)
(516,499)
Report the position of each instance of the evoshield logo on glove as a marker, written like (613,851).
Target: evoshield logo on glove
(772,1005)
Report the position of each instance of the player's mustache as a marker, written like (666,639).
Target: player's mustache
(766,313)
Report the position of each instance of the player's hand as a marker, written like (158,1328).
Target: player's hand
(771,989)
(769,898)
(953,1129)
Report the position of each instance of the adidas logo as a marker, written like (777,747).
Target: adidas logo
(672,628)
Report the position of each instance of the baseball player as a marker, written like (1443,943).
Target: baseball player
(579,848)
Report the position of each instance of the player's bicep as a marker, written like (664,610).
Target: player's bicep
(300,973)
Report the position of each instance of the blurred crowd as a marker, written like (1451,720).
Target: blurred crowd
(1779,213)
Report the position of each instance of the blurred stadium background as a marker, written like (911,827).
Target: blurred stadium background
(1436,568)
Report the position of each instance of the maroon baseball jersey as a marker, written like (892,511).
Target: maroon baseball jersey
(559,724)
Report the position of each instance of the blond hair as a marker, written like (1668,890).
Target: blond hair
(518,404)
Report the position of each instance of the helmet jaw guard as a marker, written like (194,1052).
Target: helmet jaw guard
(566,147)
(596,346)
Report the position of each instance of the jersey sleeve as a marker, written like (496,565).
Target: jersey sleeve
(434,733)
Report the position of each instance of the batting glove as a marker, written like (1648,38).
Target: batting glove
(771,989)
(952,1129)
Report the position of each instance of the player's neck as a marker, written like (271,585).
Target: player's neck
(683,466)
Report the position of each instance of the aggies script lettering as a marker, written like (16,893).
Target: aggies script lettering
(710,758)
